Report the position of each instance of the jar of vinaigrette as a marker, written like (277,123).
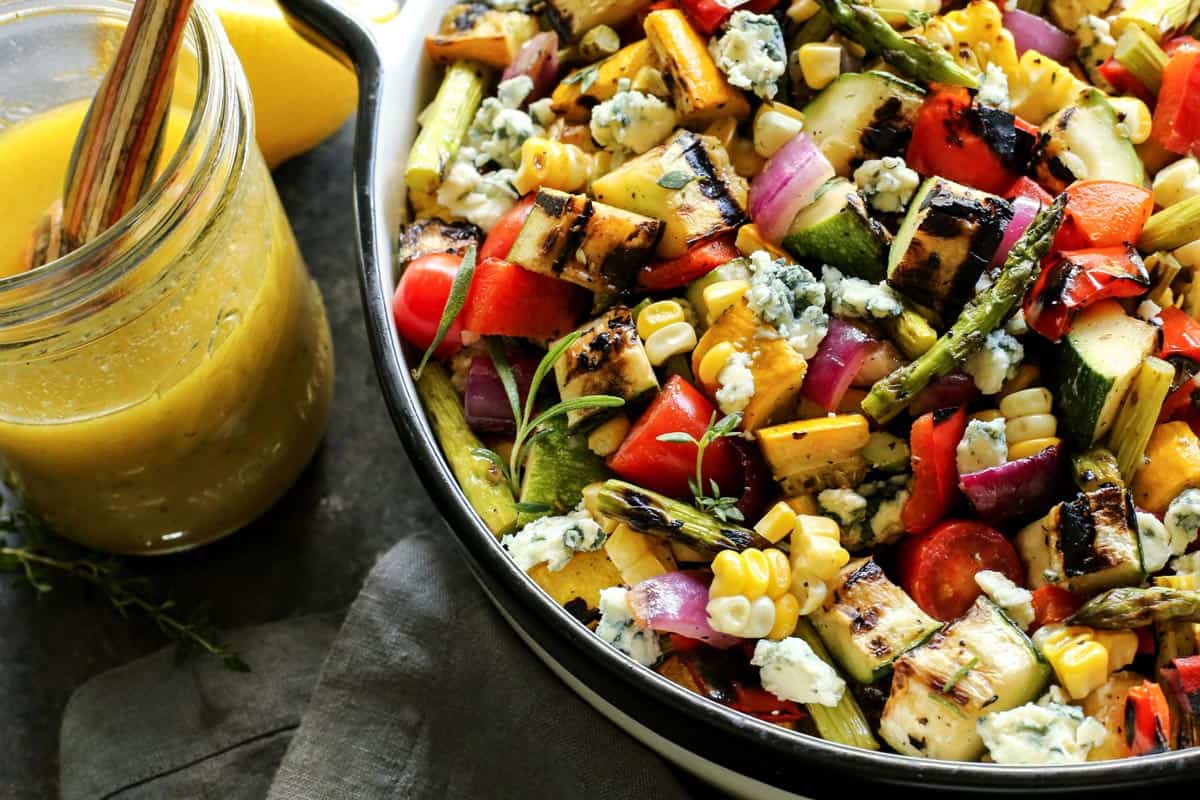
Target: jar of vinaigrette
(163,385)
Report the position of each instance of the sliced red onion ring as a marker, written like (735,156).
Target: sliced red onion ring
(1031,32)
(677,602)
(787,183)
(949,391)
(1019,487)
(485,402)
(756,480)
(1024,210)
(537,58)
(839,357)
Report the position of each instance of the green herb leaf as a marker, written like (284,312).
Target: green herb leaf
(588,401)
(500,361)
(959,674)
(543,368)
(677,437)
(675,179)
(532,508)
(584,77)
(454,304)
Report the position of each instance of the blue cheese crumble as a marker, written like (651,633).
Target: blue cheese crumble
(751,53)
(1155,543)
(618,627)
(553,541)
(995,362)
(1096,45)
(869,515)
(1016,601)
(1046,732)
(736,383)
(846,505)
(631,121)
(790,670)
(1182,520)
(789,300)
(479,198)
(993,89)
(983,445)
(1187,565)
(857,298)
(886,183)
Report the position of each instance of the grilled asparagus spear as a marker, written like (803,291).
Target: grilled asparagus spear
(1131,607)
(1095,468)
(845,722)
(889,396)
(648,512)
(481,480)
(915,57)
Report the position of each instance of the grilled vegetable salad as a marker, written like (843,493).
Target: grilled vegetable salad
(840,362)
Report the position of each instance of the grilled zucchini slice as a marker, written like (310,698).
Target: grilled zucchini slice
(427,236)
(862,115)
(870,621)
(597,246)
(980,664)
(1083,141)
(608,358)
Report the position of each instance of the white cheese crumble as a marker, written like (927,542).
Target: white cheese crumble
(1046,732)
(736,383)
(789,300)
(993,89)
(983,445)
(869,515)
(847,505)
(500,126)
(1155,543)
(995,362)
(790,670)
(479,198)
(1096,43)
(855,297)
(751,53)
(1148,310)
(618,627)
(1187,565)
(886,183)
(553,541)
(631,121)
(1017,325)
(1016,601)
(1182,520)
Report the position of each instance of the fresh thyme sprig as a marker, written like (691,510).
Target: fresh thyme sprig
(723,508)
(530,428)
(28,549)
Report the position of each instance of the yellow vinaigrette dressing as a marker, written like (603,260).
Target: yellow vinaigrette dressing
(178,404)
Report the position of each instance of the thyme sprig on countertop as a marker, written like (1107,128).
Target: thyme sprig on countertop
(28,549)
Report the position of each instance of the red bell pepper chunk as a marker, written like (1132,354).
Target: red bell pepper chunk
(1053,604)
(697,262)
(508,300)
(982,147)
(1103,213)
(938,568)
(666,467)
(1027,187)
(1177,113)
(934,442)
(707,15)
(1124,81)
(1177,43)
(1074,280)
(502,235)
(1183,404)
(1147,720)
(1180,334)
(1183,678)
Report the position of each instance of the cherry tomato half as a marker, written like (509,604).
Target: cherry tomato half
(938,568)
(421,298)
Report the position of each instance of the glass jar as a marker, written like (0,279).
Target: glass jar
(163,385)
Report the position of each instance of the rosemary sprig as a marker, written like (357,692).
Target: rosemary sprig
(454,304)
(28,549)
(530,428)
(723,508)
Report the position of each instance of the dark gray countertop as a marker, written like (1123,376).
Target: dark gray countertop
(309,554)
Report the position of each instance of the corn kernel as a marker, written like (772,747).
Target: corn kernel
(657,316)
(1121,646)
(607,437)
(729,575)
(773,129)
(1037,400)
(777,523)
(802,10)
(818,527)
(720,296)
(1027,375)
(1177,182)
(750,240)
(822,557)
(1031,447)
(757,572)
(713,362)
(810,593)
(675,339)
(820,63)
(787,614)
(780,573)
(1034,426)
(1187,580)
(746,162)
(1079,661)
(1133,117)
(723,130)
(729,614)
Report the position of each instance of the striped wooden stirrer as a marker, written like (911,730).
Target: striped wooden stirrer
(117,151)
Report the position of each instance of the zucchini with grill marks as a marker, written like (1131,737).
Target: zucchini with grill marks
(948,237)
(1086,544)
(594,245)
(481,33)
(837,230)
(1083,141)
(427,236)
(573,18)
(862,115)
(711,201)
(980,664)
(870,621)
(608,358)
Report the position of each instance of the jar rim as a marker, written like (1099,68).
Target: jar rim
(73,276)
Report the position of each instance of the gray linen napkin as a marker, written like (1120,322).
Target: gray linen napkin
(425,692)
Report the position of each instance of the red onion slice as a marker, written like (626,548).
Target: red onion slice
(1019,487)
(756,480)
(949,391)
(787,183)
(1031,32)
(839,357)
(1025,208)
(677,602)
(485,402)
(537,58)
